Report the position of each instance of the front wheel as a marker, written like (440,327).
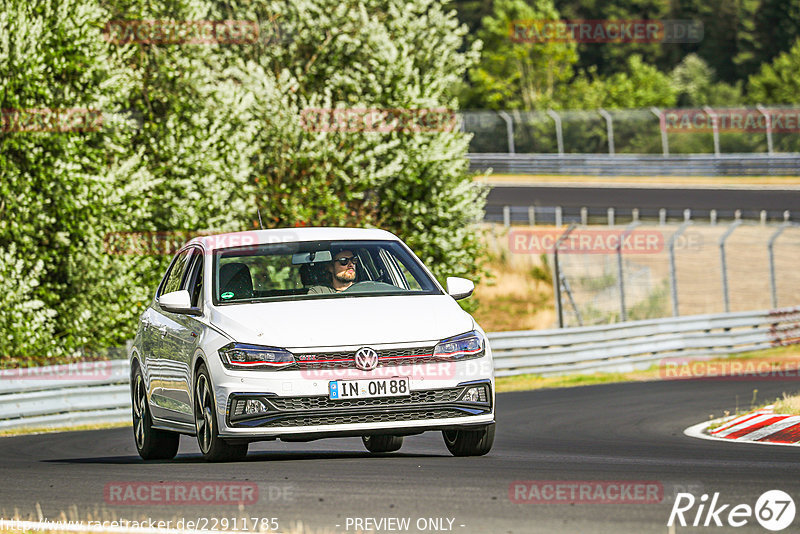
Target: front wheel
(151,444)
(214,448)
(382,443)
(469,442)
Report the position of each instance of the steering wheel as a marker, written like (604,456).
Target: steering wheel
(368,286)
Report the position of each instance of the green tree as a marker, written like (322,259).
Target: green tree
(519,75)
(778,82)
(56,186)
(640,85)
(364,54)
(695,83)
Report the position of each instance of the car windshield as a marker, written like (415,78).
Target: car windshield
(317,269)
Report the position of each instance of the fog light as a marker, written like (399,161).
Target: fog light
(475,394)
(254,406)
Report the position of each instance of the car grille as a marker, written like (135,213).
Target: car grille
(320,410)
(315,403)
(346,360)
(343,419)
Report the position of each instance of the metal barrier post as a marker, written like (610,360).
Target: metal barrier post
(559,133)
(509,129)
(773,286)
(715,127)
(620,281)
(723,264)
(768,120)
(663,127)
(557,273)
(673,276)
(609,129)
(506,216)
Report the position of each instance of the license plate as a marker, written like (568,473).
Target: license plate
(365,389)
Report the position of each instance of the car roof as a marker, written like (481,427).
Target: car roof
(291,235)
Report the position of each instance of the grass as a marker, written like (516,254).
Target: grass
(788,405)
(776,359)
(47,430)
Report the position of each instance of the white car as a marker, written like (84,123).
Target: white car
(307,333)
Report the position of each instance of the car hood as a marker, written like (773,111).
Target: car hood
(343,321)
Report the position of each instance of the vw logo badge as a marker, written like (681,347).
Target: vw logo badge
(366,359)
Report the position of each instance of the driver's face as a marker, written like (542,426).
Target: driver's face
(347,272)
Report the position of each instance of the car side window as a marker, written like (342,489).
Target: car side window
(174,277)
(194,280)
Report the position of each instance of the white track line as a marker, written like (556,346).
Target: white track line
(743,425)
(698,431)
(771,429)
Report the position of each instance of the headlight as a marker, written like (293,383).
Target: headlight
(243,356)
(463,347)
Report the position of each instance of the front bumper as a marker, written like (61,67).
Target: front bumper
(303,411)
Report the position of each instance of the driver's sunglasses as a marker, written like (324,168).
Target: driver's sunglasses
(345,260)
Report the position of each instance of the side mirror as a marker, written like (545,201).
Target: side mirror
(178,302)
(459,288)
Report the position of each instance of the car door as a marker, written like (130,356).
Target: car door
(163,333)
(182,337)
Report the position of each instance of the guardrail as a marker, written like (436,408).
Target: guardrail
(638,164)
(47,397)
(39,403)
(637,344)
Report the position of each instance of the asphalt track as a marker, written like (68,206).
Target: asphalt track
(618,432)
(774,200)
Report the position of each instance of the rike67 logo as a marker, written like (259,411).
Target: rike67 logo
(774,510)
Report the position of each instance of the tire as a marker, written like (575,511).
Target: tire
(214,448)
(382,443)
(469,442)
(151,444)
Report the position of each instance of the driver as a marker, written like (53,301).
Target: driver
(343,273)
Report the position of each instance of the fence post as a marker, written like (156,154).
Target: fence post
(559,133)
(714,126)
(584,216)
(609,129)
(559,217)
(557,277)
(611,216)
(509,129)
(532,215)
(713,217)
(724,265)
(506,216)
(768,120)
(663,127)
(673,276)
(620,281)
(662,216)
(773,286)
